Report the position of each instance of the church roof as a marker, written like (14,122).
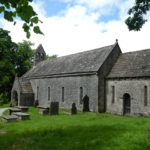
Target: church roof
(80,63)
(132,64)
(25,86)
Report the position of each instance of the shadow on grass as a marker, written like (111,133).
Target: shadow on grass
(74,138)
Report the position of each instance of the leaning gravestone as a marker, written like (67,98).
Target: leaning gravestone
(73,109)
(54,108)
(86,104)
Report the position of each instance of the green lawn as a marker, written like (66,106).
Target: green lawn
(88,131)
(4,105)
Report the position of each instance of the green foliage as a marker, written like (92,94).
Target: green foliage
(4,97)
(51,57)
(136,19)
(22,9)
(8,51)
(25,57)
(14,59)
(5,105)
(86,131)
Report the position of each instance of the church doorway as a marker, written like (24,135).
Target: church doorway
(126,104)
(15,98)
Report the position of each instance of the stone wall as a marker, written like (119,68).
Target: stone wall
(71,91)
(15,88)
(135,88)
(103,72)
(26,99)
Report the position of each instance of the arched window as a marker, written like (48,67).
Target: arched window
(63,90)
(81,95)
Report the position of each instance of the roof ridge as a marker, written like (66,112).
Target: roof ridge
(74,54)
(136,51)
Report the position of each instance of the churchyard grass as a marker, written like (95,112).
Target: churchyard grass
(4,105)
(84,131)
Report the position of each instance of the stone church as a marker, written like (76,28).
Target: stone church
(114,82)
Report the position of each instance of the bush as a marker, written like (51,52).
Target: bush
(4,98)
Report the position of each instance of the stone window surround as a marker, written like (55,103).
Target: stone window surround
(81,96)
(63,94)
(113,94)
(37,92)
(145,96)
(49,94)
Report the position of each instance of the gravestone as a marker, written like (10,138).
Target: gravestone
(36,103)
(86,104)
(13,109)
(45,111)
(22,116)
(23,108)
(54,108)
(73,109)
(9,118)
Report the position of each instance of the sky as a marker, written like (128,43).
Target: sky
(72,26)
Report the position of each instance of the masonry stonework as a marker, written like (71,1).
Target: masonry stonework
(115,82)
(71,91)
(135,88)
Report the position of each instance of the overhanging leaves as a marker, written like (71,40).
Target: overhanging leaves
(23,10)
(136,19)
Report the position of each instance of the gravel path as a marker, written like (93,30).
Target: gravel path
(2,110)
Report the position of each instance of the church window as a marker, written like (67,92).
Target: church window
(145,95)
(37,92)
(113,94)
(81,95)
(48,93)
(63,90)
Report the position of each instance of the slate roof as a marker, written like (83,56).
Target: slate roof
(84,62)
(132,64)
(25,86)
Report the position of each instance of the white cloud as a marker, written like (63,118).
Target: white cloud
(77,30)
(39,8)
(124,7)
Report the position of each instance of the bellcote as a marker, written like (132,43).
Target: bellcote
(39,54)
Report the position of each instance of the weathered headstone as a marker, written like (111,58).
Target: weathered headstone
(45,111)
(22,116)
(9,118)
(86,104)
(36,103)
(73,109)
(54,108)
(23,108)
(13,109)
